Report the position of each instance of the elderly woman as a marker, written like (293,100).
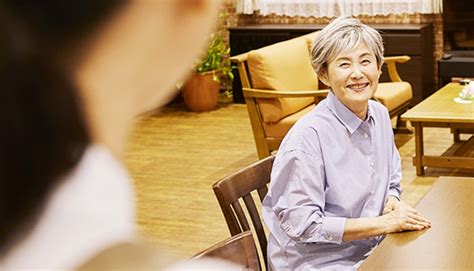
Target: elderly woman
(335,186)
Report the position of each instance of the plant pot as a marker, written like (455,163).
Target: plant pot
(200,92)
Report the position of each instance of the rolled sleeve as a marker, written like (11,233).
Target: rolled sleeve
(394,192)
(324,230)
(333,229)
(330,231)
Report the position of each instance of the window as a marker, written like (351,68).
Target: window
(332,8)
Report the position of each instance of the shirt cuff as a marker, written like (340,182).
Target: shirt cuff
(333,229)
(394,192)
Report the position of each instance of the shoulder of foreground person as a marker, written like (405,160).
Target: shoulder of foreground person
(142,256)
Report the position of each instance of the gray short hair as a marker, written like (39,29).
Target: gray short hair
(342,33)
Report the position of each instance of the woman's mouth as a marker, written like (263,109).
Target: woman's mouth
(358,87)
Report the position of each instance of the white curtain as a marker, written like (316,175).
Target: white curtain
(332,8)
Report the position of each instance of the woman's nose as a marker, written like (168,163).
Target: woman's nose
(356,73)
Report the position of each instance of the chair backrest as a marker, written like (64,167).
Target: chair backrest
(285,65)
(239,185)
(239,249)
(280,75)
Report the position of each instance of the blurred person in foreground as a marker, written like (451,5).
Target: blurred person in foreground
(74,76)
(335,184)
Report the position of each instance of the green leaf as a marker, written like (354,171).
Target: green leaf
(217,59)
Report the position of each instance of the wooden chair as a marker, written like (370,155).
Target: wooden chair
(280,85)
(239,186)
(239,249)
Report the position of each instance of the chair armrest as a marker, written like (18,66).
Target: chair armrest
(392,68)
(261,93)
(239,58)
(400,59)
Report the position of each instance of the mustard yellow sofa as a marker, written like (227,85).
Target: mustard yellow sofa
(280,85)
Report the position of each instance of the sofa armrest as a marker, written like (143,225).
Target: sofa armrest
(392,68)
(261,93)
(239,58)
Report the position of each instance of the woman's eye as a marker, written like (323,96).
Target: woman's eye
(344,65)
(366,61)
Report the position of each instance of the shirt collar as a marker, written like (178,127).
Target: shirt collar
(346,116)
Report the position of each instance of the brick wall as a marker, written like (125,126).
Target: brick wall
(234,19)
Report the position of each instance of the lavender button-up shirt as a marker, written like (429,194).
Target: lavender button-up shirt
(331,166)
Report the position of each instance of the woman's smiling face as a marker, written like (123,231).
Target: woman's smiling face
(353,76)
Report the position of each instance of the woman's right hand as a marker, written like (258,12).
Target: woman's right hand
(404,218)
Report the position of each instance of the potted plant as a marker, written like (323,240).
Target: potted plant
(201,90)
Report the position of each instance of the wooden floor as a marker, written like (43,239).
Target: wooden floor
(174,157)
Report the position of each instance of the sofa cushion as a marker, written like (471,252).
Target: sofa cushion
(393,94)
(282,66)
(310,39)
(280,129)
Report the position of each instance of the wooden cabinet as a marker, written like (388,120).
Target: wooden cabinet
(415,40)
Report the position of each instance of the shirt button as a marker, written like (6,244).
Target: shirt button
(372,164)
(366,135)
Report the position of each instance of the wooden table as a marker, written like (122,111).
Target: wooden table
(447,245)
(440,110)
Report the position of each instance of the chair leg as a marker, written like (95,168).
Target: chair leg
(401,127)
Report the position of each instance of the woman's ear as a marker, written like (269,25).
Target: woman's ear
(323,77)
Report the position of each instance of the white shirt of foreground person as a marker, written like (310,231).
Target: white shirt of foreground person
(331,166)
(92,209)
